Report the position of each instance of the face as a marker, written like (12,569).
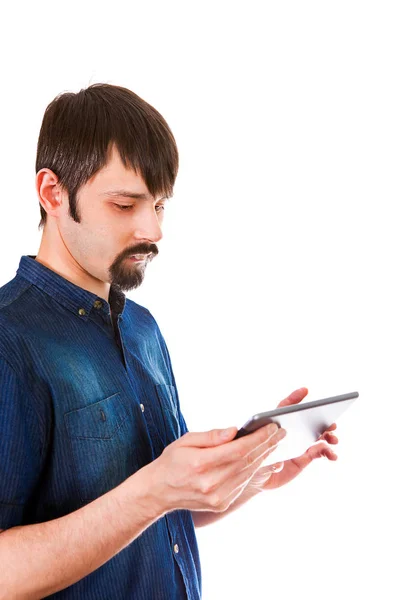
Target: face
(114,226)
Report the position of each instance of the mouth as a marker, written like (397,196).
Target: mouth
(138,257)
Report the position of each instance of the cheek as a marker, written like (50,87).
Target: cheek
(96,242)
(110,240)
(106,230)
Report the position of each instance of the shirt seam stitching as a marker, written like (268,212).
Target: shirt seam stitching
(20,295)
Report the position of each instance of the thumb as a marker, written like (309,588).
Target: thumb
(206,439)
(295,397)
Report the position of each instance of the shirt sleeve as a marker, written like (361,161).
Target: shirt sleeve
(20,446)
(182,424)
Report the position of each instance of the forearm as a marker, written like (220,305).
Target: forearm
(202,518)
(41,559)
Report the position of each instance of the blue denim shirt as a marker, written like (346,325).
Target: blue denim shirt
(88,397)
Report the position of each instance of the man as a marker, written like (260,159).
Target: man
(101,485)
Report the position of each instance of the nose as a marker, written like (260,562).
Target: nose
(147,226)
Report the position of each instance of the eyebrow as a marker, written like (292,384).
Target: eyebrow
(134,195)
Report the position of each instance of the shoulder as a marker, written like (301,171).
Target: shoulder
(11,294)
(140,314)
(15,303)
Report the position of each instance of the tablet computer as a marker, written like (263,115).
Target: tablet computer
(303,422)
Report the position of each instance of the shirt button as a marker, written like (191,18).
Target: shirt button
(82,311)
(176,548)
(98,304)
(142,407)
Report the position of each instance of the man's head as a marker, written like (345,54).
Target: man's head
(98,150)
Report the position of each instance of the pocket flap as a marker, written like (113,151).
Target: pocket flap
(100,420)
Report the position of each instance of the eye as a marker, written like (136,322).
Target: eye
(123,206)
(129,206)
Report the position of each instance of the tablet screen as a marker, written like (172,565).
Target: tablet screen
(303,422)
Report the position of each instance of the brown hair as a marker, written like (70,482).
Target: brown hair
(78,130)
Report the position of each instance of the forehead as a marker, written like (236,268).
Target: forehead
(116,167)
(114,175)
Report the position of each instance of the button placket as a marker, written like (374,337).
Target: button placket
(119,341)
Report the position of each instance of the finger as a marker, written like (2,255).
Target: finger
(264,450)
(249,447)
(316,451)
(207,439)
(329,437)
(228,484)
(294,398)
(240,480)
(238,450)
(322,450)
(332,427)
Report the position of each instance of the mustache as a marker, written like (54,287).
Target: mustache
(144,249)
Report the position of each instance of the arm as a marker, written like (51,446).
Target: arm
(58,553)
(202,518)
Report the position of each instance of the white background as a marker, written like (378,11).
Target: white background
(279,263)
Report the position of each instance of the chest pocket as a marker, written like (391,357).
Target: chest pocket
(168,412)
(102,438)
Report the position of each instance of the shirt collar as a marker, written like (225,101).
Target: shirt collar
(74,298)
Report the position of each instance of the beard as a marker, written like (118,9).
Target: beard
(128,274)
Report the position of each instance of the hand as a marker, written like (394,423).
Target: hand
(274,476)
(205,472)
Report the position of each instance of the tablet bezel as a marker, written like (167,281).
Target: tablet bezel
(254,422)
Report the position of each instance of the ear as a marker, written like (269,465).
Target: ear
(49,191)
